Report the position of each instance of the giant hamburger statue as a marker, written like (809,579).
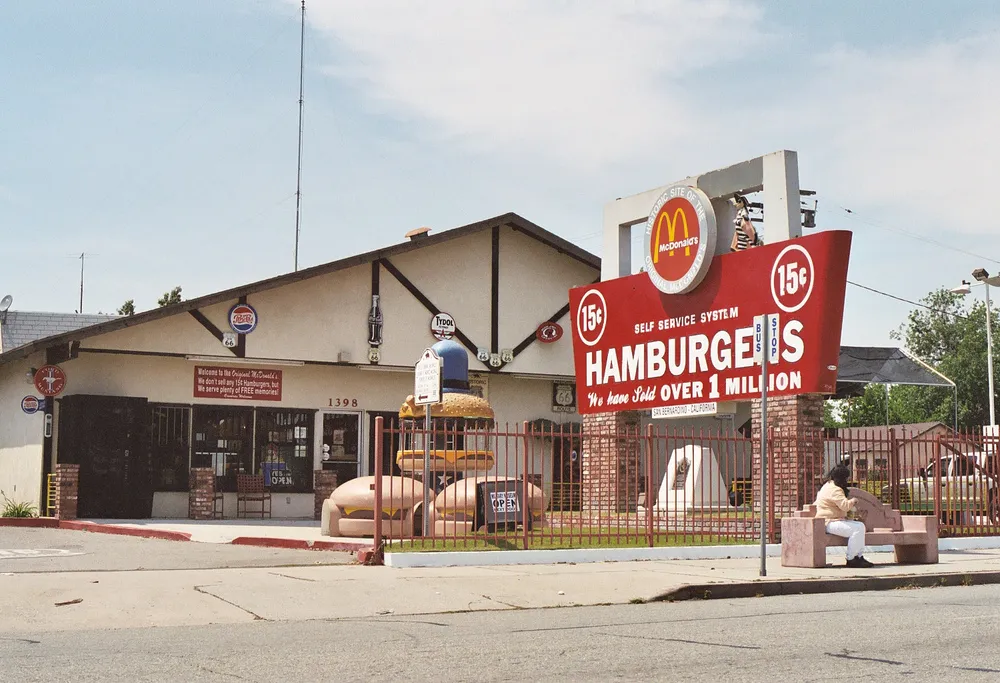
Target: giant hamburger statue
(460,453)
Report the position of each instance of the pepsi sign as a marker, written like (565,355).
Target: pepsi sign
(243,318)
(30,405)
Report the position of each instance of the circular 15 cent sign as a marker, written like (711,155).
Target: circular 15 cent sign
(680,239)
(443,326)
(591,317)
(243,318)
(50,380)
(792,277)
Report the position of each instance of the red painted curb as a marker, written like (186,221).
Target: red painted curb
(124,530)
(33,522)
(338,545)
(264,542)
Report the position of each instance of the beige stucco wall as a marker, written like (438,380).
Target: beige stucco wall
(20,435)
(322,319)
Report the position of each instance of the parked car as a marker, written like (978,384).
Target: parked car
(967,490)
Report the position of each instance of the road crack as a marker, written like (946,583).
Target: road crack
(256,617)
(683,640)
(846,655)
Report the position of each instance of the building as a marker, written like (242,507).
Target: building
(288,374)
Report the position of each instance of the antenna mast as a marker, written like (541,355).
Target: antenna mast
(82,255)
(298,174)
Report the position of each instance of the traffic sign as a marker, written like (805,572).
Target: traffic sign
(427,379)
(50,380)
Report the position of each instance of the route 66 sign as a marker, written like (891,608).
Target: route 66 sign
(374,355)
(482,354)
(229,340)
(495,361)
(507,355)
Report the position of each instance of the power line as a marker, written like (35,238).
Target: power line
(908,301)
(913,235)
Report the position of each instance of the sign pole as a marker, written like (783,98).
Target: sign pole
(425,515)
(763,446)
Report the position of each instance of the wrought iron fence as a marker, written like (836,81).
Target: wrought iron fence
(521,487)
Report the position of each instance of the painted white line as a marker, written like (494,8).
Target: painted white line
(32,553)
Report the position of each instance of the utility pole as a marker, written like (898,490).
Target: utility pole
(298,173)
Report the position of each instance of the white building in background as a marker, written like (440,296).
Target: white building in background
(148,396)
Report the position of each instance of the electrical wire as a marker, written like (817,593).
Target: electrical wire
(908,301)
(850,213)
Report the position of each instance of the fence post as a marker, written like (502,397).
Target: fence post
(377,512)
(937,478)
(525,500)
(650,499)
(770,502)
(893,470)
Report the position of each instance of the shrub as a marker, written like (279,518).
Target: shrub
(15,509)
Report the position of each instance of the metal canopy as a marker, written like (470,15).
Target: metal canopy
(863,365)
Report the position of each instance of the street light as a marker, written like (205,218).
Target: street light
(982,276)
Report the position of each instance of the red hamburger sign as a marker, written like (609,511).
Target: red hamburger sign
(636,347)
(680,239)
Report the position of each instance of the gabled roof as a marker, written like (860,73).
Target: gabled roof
(902,432)
(511,220)
(20,328)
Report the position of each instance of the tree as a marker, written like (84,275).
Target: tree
(170,298)
(833,414)
(950,336)
(127,308)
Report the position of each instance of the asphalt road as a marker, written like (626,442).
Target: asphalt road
(86,551)
(912,635)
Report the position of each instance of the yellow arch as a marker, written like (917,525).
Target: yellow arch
(671,233)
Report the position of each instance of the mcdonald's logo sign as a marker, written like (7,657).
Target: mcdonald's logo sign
(680,239)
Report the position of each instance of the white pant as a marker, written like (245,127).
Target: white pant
(853,531)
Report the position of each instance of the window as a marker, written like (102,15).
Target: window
(169,447)
(284,449)
(223,440)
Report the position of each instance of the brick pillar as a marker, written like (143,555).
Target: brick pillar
(67,490)
(201,493)
(324,482)
(795,470)
(610,462)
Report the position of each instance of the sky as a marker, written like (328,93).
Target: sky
(159,138)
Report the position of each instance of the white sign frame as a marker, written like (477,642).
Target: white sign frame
(427,378)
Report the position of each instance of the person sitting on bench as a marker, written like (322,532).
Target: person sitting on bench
(833,505)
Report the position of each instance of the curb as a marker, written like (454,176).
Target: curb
(767,589)
(31,522)
(124,530)
(297,543)
(76,525)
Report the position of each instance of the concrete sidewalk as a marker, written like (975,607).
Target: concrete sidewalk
(30,602)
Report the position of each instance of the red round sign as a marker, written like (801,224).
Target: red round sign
(680,239)
(50,380)
(792,277)
(547,333)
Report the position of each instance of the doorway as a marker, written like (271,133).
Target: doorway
(107,436)
(342,445)
(567,483)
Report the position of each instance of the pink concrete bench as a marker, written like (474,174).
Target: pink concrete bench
(914,537)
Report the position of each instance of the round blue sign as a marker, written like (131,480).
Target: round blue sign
(243,318)
(30,405)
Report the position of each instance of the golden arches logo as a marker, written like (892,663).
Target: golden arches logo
(671,232)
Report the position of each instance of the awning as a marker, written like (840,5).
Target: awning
(863,365)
